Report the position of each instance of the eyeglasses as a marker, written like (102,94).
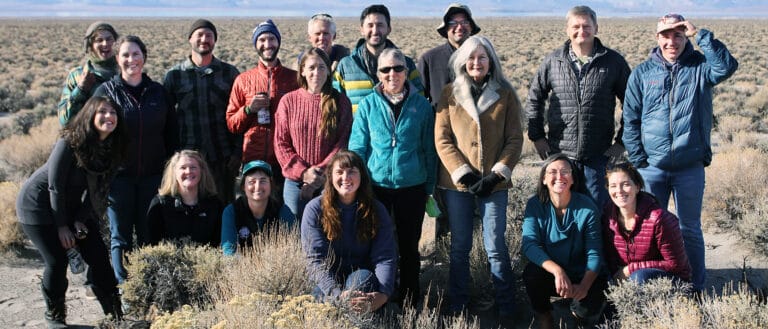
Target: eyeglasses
(453,24)
(397,68)
(671,19)
(562,172)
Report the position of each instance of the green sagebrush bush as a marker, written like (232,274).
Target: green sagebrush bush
(171,275)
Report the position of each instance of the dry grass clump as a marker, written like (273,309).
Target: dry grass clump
(663,304)
(736,196)
(274,265)
(735,308)
(23,154)
(10,229)
(657,304)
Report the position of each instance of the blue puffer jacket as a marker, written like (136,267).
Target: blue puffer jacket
(352,78)
(668,107)
(399,154)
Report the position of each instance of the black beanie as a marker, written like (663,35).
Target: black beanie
(200,23)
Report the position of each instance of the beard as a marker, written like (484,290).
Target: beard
(203,52)
(270,58)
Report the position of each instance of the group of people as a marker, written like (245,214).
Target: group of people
(353,144)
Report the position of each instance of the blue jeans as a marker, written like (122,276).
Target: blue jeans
(594,179)
(643,275)
(292,198)
(493,212)
(687,187)
(129,199)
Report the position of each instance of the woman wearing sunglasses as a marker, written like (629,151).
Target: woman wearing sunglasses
(393,131)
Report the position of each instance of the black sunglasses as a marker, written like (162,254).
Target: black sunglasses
(397,68)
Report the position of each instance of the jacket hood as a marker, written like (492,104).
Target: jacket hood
(687,52)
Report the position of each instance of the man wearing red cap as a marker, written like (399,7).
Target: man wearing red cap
(668,121)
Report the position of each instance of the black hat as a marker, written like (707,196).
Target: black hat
(455,8)
(203,23)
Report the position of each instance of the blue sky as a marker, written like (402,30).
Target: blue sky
(340,8)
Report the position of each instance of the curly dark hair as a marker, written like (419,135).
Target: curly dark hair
(82,136)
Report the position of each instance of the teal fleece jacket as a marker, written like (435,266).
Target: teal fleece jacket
(398,154)
(575,244)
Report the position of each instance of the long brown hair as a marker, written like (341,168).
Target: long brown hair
(328,95)
(330,216)
(82,136)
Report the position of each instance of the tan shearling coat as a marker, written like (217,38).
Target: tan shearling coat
(481,137)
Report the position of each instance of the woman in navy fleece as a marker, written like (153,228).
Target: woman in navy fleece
(349,238)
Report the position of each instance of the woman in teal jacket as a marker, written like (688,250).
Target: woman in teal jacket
(562,240)
(393,131)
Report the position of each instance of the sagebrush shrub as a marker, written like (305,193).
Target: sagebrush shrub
(656,304)
(171,275)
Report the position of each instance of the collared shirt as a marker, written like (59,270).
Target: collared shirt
(200,95)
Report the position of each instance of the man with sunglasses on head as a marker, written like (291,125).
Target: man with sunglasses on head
(582,80)
(355,75)
(668,120)
(321,32)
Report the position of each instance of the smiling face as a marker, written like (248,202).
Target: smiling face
(392,81)
(345,181)
(459,29)
(558,178)
(321,36)
(105,120)
(375,30)
(672,43)
(315,72)
(581,30)
(103,44)
(187,173)
(202,41)
(478,64)
(267,47)
(257,186)
(130,60)
(623,190)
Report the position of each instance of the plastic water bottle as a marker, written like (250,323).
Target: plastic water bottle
(76,263)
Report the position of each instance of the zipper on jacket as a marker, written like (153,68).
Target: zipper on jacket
(672,76)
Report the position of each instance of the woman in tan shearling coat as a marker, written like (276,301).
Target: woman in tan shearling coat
(478,136)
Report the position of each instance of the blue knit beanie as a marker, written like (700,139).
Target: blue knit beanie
(265,27)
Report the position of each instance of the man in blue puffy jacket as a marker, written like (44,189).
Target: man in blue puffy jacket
(668,120)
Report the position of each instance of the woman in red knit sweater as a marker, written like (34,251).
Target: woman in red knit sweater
(642,240)
(311,124)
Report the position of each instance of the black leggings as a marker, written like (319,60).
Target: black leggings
(46,239)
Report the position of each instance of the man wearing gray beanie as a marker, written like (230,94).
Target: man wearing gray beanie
(254,98)
(199,88)
(99,66)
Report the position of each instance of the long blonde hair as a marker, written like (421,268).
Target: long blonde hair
(170,187)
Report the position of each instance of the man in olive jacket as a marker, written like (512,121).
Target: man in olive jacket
(582,80)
